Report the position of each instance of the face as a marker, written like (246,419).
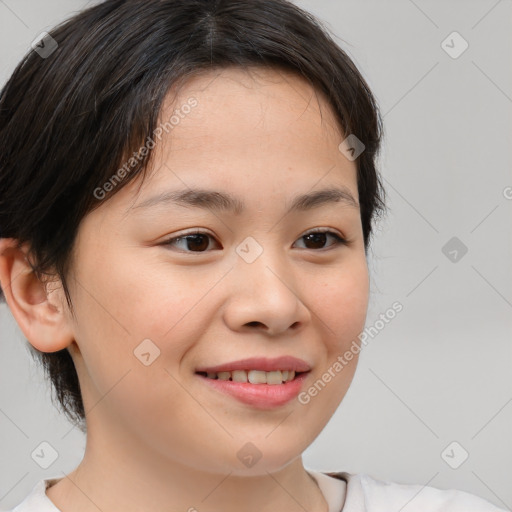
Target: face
(153,306)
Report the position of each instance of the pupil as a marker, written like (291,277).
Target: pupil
(317,238)
(195,242)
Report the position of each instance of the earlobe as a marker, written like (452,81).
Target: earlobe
(40,314)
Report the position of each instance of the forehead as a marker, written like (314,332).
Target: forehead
(252,130)
(235,106)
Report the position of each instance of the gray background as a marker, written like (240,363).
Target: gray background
(440,371)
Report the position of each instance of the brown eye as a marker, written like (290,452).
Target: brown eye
(191,242)
(317,239)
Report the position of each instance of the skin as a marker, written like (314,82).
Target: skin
(158,437)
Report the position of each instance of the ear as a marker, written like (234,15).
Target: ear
(40,314)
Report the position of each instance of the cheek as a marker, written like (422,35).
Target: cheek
(132,379)
(173,305)
(150,296)
(340,301)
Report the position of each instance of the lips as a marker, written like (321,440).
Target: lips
(260,396)
(259,363)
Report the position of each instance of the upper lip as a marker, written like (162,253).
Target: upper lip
(260,363)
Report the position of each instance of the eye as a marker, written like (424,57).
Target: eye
(318,236)
(197,241)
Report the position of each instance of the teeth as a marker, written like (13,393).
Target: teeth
(254,376)
(261,377)
(239,376)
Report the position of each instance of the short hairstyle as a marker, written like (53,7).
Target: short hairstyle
(70,119)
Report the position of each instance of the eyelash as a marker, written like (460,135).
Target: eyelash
(339,239)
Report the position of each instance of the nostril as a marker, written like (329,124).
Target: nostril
(254,324)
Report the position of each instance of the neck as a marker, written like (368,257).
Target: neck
(118,473)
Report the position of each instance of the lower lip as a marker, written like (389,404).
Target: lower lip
(263,396)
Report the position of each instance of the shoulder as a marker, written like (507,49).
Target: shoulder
(37,500)
(368,494)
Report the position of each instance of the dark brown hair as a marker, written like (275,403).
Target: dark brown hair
(69,118)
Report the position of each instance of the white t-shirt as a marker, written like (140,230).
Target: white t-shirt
(345,492)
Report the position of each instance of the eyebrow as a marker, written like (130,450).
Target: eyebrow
(224,202)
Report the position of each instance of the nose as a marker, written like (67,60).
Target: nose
(266,294)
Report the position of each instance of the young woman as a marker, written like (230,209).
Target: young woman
(187,194)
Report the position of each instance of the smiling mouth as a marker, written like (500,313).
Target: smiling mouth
(253,376)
